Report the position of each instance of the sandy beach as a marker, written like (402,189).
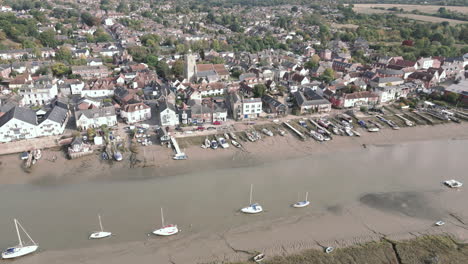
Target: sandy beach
(371,205)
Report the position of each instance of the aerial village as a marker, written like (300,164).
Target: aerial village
(94,92)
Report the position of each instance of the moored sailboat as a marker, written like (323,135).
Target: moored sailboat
(166,230)
(304,203)
(21,249)
(100,234)
(253,208)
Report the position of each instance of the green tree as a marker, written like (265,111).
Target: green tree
(89,19)
(178,68)
(162,69)
(313,62)
(259,90)
(328,75)
(64,54)
(47,38)
(60,69)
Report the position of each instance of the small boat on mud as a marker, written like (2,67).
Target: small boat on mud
(214,144)
(317,136)
(235,143)
(259,258)
(281,132)
(267,132)
(232,135)
(118,156)
(222,142)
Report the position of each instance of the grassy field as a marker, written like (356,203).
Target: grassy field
(427,249)
(368,8)
(430,9)
(431,19)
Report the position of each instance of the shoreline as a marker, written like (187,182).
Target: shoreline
(159,158)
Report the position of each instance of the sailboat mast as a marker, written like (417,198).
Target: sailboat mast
(307,194)
(162,217)
(251,190)
(100,223)
(24,230)
(17,233)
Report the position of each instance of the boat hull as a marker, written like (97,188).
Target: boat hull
(166,231)
(98,235)
(19,252)
(252,209)
(301,204)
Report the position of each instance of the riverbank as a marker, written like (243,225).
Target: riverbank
(55,168)
(390,189)
(425,249)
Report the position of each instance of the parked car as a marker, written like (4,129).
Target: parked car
(200,128)
(217,123)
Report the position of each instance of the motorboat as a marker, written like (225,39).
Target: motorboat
(100,234)
(214,144)
(118,156)
(222,142)
(166,230)
(226,136)
(349,132)
(301,204)
(324,123)
(250,137)
(303,124)
(329,250)
(207,143)
(21,249)
(453,183)
(180,156)
(439,223)
(357,134)
(373,129)
(317,136)
(259,258)
(267,132)
(281,132)
(235,143)
(232,135)
(253,208)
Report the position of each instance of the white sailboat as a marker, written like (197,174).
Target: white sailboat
(253,208)
(166,230)
(20,249)
(100,234)
(302,203)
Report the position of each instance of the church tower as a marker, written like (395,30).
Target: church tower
(190,67)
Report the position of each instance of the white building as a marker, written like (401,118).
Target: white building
(133,113)
(38,93)
(95,117)
(54,122)
(18,123)
(251,108)
(167,114)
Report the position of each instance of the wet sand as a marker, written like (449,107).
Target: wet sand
(391,188)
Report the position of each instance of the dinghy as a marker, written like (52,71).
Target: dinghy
(166,230)
(233,136)
(329,250)
(100,234)
(21,249)
(235,143)
(253,208)
(259,258)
